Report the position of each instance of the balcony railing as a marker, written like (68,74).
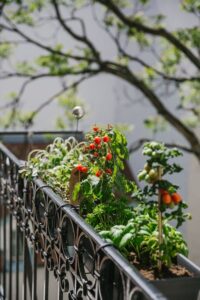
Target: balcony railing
(49,252)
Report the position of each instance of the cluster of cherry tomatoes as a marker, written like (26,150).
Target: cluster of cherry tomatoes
(170,199)
(148,174)
(96,147)
(151,175)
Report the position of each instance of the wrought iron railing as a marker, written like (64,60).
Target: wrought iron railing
(49,252)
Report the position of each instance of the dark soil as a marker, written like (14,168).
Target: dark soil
(150,273)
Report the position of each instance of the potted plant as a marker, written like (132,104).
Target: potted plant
(89,175)
(170,207)
(148,240)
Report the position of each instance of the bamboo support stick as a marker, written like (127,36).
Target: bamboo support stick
(160,232)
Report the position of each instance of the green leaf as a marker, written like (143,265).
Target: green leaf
(125,240)
(5,50)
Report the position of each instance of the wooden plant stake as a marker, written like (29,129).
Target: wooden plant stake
(74,179)
(160,230)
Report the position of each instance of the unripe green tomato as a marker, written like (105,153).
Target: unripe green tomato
(155,145)
(154,154)
(147,152)
(142,174)
(147,167)
(147,178)
(153,174)
(172,205)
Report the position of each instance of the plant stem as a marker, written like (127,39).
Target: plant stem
(160,234)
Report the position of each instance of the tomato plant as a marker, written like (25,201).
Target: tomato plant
(148,233)
(162,192)
(89,173)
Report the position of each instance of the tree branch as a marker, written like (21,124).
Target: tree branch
(124,54)
(82,39)
(163,75)
(161,32)
(130,77)
(16,30)
(45,75)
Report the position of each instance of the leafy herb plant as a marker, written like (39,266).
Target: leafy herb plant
(140,236)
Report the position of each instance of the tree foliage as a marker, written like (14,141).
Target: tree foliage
(134,32)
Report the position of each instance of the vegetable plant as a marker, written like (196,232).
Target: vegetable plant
(148,233)
(163,192)
(88,174)
(140,236)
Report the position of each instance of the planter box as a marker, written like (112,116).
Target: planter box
(187,288)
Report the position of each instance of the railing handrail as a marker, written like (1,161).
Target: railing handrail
(11,156)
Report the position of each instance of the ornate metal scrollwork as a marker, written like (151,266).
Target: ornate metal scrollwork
(84,266)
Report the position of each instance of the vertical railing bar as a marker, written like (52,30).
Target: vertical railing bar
(29,267)
(1,214)
(17,261)
(60,293)
(10,255)
(46,284)
(34,267)
(34,275)
(24,284)
(4,248)
(1,236)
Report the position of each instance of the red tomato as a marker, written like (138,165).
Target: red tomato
(97,140)
(109,156)
(166,198)
(84,169)
(79,167)
(106,139)
(96,129)
(98,173)
(176,198)
(92,146)
(163,192)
